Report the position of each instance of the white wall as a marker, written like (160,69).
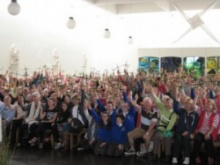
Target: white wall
(41,27)
(179,52)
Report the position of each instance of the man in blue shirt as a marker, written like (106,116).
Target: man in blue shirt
(7,113)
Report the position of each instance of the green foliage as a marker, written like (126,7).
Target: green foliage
(4,152)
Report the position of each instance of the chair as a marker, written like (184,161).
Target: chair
(49,131)
(76,138)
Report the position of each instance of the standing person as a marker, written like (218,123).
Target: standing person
(48,118)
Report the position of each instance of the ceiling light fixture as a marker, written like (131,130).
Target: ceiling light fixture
(71,23)
(107,33)
(14,7)
(130,40)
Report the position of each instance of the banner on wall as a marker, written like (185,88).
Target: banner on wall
(213,65)
(194,65)
(150,64)
(171,63)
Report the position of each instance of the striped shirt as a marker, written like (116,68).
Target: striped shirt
(147,118)
(205,126)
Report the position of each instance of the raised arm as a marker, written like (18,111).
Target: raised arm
(100,105)
(95,116)
(132,108)
(158,102)
(134,103)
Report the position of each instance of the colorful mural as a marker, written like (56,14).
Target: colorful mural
(171,63)
(149,63)
(194,65)
(213,65)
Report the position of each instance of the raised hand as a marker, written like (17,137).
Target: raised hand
(136,97)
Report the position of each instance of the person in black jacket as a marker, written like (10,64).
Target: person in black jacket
(61,122)
(76,122)
(185,127)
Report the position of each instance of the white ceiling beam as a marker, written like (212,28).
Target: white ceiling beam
(143,6)
(103,2)
(152,7)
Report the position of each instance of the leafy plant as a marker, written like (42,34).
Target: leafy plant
(4,151)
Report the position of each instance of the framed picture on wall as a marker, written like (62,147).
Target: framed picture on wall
(149,63)
(213,64)
(171,63)
(194,66)
(143,63)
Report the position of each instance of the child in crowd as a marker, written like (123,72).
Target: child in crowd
(112,116)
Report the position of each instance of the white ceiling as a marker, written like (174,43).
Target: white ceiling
(142,6)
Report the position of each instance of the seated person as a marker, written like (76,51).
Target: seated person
(17,121)
(206,131)
(104,131)
(7,113)
(164,130)
(91,133)
(47,120)
(146,129)
(31,122)
(76,122)
(118,137)
(185,128)
(61,122)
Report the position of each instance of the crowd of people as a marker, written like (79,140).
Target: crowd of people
(122,113)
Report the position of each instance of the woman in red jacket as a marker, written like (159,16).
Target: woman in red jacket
(206,131)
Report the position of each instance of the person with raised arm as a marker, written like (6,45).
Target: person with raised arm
(185,128)
(146,129)
(164,130)
(104,131)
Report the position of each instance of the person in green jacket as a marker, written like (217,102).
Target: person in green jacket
(164,131)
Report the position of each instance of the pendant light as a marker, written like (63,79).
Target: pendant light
(14,8)
(71,23)
(130,40)
(107,33)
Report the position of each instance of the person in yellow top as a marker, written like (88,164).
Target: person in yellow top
(164,131)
